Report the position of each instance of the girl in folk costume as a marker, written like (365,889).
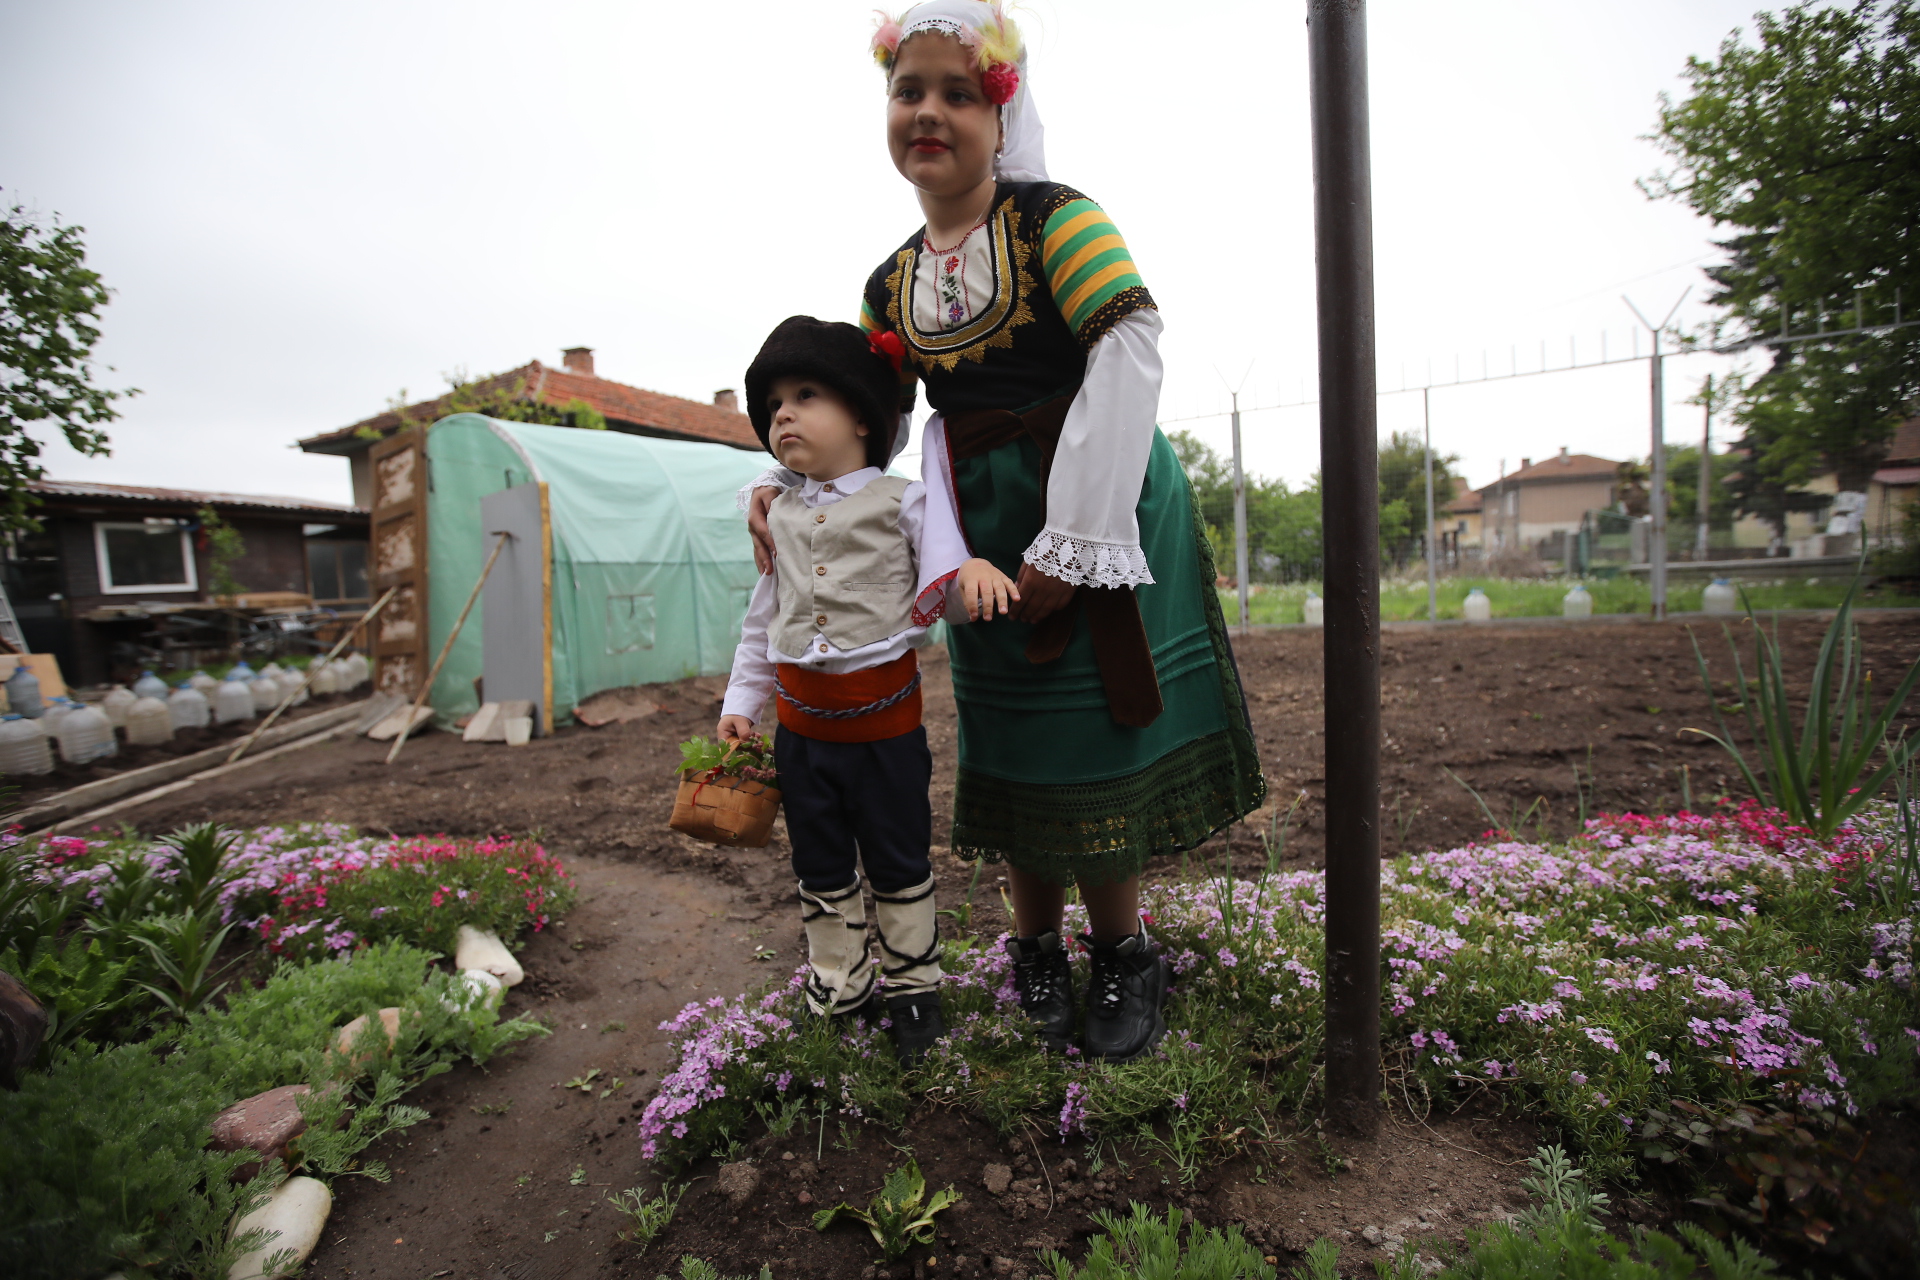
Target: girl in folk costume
(1106,725)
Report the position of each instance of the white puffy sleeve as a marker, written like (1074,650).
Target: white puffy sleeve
(1092,537)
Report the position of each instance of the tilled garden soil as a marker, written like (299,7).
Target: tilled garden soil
(508,1177)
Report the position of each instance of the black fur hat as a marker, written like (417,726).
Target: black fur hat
(841,356)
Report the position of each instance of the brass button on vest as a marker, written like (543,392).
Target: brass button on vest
(822,619)
(820,569)
(821,518)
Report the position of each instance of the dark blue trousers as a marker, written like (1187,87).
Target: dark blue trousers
(857,803)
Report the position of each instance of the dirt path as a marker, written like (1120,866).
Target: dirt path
(1513,711)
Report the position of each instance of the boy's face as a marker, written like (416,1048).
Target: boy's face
(941,129)
(814,431)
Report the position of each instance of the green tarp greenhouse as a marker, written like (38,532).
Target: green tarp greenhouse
(651,562)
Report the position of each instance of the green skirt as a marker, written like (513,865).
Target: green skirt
(1048,782)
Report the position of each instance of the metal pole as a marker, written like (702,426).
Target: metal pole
(1426,427)
(1705,506)
(1657,491)
(1239,517)
(1350,515)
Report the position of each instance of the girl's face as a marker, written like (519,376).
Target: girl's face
(941,130)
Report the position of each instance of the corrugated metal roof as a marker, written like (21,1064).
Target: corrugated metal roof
(196,497)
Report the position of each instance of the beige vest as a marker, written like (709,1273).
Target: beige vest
(844,570)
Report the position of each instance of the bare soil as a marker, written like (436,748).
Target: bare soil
(507,1177)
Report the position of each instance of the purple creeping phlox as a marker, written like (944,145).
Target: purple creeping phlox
(1722,958)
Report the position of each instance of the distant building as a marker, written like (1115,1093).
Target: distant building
(106,550)
(1544,500)
(625,408)
(1459,531)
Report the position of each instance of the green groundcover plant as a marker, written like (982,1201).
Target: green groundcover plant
(1725,959)
(103,1155)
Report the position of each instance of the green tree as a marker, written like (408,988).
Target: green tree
(49,305)
(1403,492)
(1283,524)
(225,548)
(1806,146)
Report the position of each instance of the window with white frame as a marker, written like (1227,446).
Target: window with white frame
(147,556)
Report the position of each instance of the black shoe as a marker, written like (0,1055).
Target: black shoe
(1044,978)
(1128,986)
(917,1025)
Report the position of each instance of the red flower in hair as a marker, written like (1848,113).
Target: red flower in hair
(1002,81)
(886,344)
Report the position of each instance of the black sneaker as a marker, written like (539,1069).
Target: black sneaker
(1044,978)
(1124,996)
(917,1024)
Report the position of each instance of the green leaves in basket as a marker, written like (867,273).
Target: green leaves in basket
(751,757)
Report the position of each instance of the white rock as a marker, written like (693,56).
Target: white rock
(476,950)
(475,988)
(296,1215)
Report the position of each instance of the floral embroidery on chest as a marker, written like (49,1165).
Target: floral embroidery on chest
(954,303)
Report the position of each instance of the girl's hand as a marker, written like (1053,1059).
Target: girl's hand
(1037,594)
(733,728)
(983,588)
(763,552)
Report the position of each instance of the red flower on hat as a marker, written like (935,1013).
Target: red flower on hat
(1002,81)
(886,344)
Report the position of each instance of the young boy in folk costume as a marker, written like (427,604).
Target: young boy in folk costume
(1106,725)
(866,563)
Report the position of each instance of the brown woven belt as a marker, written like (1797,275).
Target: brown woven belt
(1120,647)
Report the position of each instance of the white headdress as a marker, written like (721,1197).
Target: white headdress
(981,26)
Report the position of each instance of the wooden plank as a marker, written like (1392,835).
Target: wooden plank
(401,722)
(398,553)
(56,807)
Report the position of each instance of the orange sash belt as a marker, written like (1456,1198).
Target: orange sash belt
(804,691)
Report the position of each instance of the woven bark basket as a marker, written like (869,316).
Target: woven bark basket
(726,810)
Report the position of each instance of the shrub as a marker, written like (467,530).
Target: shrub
(1142,1245)
(103,1156)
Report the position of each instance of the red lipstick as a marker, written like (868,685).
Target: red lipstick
(929,145)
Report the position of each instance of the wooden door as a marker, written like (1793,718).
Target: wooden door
(399,553)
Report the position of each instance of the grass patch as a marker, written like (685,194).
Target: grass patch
(1405,599)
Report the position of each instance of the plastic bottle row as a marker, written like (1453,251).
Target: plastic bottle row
(150,713)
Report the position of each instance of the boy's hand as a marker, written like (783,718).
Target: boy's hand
(757,507)
(985,589)
(733,728)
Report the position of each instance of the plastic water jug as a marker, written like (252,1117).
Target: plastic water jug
(23,746)
(115,704)
(1476,606)
(1578,604)
(356,672)
(149,723)
(271,671)
(85,734)
(266,693)
(23,693)
(293,684)
(326,680)
(56,711)
(241,671)
(1719,597)
(1315,610)
(149,686)
(188,708)
(205,683)
(232,701)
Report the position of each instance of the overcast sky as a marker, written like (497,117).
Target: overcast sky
(305,209)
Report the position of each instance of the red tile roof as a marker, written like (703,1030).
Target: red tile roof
(1465,504)
(196,497)
(1572,466)
(625,409)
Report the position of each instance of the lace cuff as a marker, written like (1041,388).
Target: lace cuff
(1085,563)
(771,478)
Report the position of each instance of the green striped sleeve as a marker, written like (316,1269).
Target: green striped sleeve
(1089,270)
